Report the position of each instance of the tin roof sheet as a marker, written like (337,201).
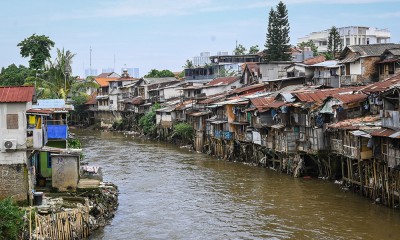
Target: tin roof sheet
(17,94)
(383,132)
(222,81)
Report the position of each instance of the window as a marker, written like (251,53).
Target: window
(12,121)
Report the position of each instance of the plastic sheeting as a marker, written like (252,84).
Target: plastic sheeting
(57,131)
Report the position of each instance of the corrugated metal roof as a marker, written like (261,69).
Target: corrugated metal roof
(261,102)
(384,132)
(327,64)
(17,94)
(318,96)
(372,49)
(250,89)
(137,100)
(222,81)
(350,98)
(276,104)
(381,86)
(356,123)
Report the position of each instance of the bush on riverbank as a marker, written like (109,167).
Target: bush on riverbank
(147,123)
(184,131)
(11,220)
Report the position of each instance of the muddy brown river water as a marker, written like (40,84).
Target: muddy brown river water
(170,193)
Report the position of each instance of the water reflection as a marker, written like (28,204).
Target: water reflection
(169,193)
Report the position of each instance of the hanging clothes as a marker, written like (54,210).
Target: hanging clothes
(32,120)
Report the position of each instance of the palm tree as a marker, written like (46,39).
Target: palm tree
(57,81)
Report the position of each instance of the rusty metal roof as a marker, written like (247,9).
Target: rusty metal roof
(384,132)
(250,89)
(350,98)
(275,104)
(17,94)
(318,96)
(356,123)
(137,100)
(213,98)
(381,86)
(222,81)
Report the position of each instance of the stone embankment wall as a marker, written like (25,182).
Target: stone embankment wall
(13,181)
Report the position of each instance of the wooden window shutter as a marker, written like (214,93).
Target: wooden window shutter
(12,121)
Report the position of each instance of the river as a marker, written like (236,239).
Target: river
(170,193)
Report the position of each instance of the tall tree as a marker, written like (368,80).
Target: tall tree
(57,79)
(15,75)
(239,50)
(334,43)
(254,49)
(37,47)
(277,42)
(309,44)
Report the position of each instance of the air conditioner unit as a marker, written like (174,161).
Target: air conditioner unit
(9,144)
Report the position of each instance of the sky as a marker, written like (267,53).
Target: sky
(163,34)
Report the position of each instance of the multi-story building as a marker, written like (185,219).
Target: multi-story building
(201,60)
(351,35)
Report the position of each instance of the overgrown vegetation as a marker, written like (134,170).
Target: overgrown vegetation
(11,220)
(184,131)
(74,143)
(148,122)
(154,73)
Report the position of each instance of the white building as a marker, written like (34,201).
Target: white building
(15,168)
(201,60)
(352,35)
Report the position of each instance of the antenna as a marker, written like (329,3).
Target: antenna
(91,61)
(114,61)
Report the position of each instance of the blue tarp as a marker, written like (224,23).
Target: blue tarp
(57,131)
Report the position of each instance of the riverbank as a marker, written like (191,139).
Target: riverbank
(73,215)
(167,192)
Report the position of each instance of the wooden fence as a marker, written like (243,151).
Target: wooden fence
(70,224)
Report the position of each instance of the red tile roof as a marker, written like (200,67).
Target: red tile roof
(92,100)
(103,82)
(223,81)
(17,94)
(314,60)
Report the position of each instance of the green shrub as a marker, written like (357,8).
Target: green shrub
(148,122)
(184,131)
(11,220)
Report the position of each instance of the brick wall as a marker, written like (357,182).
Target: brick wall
(13,181)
